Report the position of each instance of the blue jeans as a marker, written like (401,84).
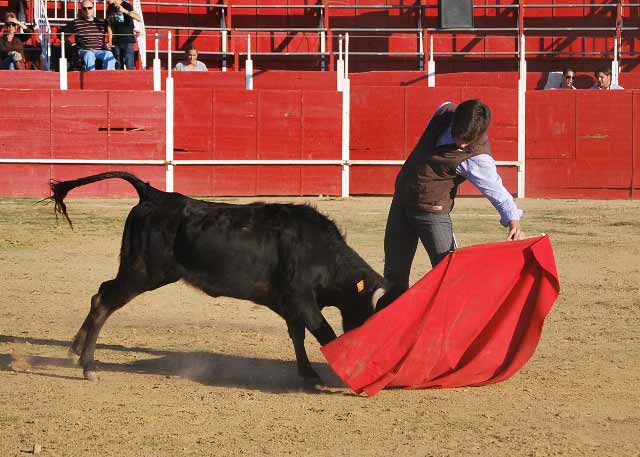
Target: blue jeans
(404,228)
(123,53)
(89,59)
(9,62)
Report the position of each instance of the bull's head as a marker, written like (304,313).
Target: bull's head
(360,304)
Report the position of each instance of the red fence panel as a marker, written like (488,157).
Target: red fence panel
(279,138)
(24,180)
(79,124)
(236,126)
(194,137)
(408,110)
(580,144)
(25,123)
(137,125)
(321,139)
(25,110)
(376,112)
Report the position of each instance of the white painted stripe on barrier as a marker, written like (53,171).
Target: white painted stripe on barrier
(169,124)
(522,91)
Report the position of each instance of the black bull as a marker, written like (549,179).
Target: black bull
(287,257)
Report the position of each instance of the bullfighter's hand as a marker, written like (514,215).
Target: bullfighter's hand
(515,232)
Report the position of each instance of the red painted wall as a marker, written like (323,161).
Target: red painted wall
(580,144)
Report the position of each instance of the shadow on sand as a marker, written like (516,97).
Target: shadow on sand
(208,368)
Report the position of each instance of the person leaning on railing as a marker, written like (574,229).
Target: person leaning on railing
(120,17)
(11,47)
(603,80)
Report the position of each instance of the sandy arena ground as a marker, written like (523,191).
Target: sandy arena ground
(185,374)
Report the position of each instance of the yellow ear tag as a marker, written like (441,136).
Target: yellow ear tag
(360,285)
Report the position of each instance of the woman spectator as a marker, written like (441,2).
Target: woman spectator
(191,62)
(568,77)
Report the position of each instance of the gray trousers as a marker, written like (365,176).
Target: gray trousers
(404,228)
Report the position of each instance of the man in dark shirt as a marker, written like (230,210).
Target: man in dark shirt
(120,17)
(89,32)
(453,147)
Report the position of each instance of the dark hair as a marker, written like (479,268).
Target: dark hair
(190,48)
(604,69)
(567,70)
(470,121)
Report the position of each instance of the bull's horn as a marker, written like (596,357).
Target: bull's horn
(379,292)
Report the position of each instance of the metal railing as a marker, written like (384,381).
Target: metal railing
(327,34)
(44,32)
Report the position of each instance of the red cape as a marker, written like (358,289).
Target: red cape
(475,319)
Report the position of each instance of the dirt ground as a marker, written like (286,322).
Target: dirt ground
(185,374)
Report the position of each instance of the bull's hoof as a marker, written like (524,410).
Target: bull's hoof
(73,356)
(312,383)
(91,375)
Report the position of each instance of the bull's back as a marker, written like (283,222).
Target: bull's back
(231,250)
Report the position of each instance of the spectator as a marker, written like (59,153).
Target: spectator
(89,32)
(120,17)
(568,77)
(11,48)
(23,30)
(191,62)
(603,80)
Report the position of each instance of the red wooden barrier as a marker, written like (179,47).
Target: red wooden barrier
(45,124)
(580,144)
(379,113)
(266,124)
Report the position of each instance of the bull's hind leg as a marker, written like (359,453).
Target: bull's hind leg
(111,296)
(79,341)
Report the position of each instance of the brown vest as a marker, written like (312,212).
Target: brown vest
(428,179)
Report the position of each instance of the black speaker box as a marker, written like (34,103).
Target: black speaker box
(455,14)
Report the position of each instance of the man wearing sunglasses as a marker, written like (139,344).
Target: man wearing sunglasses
(11,49)
(90,38)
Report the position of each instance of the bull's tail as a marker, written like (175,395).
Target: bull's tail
(60,189)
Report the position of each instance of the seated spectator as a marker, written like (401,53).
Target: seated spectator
(23,30)
(11,48)
(120,17)
(191,62)
(568,77)
(89,32)
(561,80)
(603,80)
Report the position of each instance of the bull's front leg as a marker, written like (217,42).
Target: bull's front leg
(307,308)
(296,333)
(303,311)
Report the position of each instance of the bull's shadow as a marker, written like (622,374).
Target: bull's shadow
(208,368)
